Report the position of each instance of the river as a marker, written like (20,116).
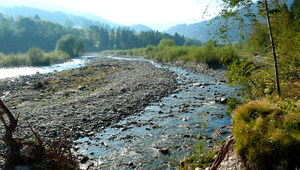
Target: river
(176,124)
(171,127)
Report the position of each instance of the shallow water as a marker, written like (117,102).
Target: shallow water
(22,71)
(174,123)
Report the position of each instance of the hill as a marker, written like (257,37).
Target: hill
(83,19)
(138,28)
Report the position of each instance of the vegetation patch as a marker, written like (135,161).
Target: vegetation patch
(267,134)
(34,57)
(211,53)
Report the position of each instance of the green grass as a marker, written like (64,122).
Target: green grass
(201,157)
(267,134)
(34,57)
(208,53)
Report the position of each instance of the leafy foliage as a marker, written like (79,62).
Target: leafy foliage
(37,58)
(66,44)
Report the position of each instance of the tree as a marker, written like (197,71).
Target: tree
(112,39)
(1,15)
(79,47)
(37,58)
(36,17)
(68,23)
(165,42)
(66,44)
(241,10)
(118,39)
(295,12)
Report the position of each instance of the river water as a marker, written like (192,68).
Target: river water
(169,128)
(22,71)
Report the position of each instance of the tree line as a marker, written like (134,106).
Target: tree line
(19,34)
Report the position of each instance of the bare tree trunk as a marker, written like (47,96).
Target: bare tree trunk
(273,50)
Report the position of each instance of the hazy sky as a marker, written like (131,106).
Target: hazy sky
(134,11)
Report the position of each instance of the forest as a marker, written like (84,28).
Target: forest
(21,33)
(18,35)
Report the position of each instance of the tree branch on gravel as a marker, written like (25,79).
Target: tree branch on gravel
(222,153)
(31,153)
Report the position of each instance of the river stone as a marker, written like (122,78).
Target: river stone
(164,151)
(84,159)
(197,84)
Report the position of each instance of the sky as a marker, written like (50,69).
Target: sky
(131,11)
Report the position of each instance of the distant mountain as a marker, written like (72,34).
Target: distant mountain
(82,19)
(165,26)
(200,30)
(138,28)
(196,31)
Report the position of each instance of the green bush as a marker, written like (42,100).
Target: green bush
(15,60)
(57,56)
(267,134)
(165,42)
(36,57)
(202,156)
(67,44)
(167,51)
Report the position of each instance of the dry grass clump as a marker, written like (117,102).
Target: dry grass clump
(267,134)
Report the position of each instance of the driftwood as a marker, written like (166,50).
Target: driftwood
(57,156)
(13,123)
(222,153)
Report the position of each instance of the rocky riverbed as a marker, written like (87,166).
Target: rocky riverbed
(88,99)
(85,99)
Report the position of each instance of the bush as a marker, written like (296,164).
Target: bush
(67,44)
(267,134)
(165,42)
(57,56)
(167,50)
(15,60)
(202,156)
(36,57)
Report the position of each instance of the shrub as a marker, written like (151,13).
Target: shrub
(36,57)
(57,56)
(67,44)
(165,42)
(267,134)
(15,60)
(201,155)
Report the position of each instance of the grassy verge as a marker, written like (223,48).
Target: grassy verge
(34,57)
(267,128)
(267,134)
(209,53)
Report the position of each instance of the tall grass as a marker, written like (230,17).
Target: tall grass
(208,53)
(34,57)
(267,134)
